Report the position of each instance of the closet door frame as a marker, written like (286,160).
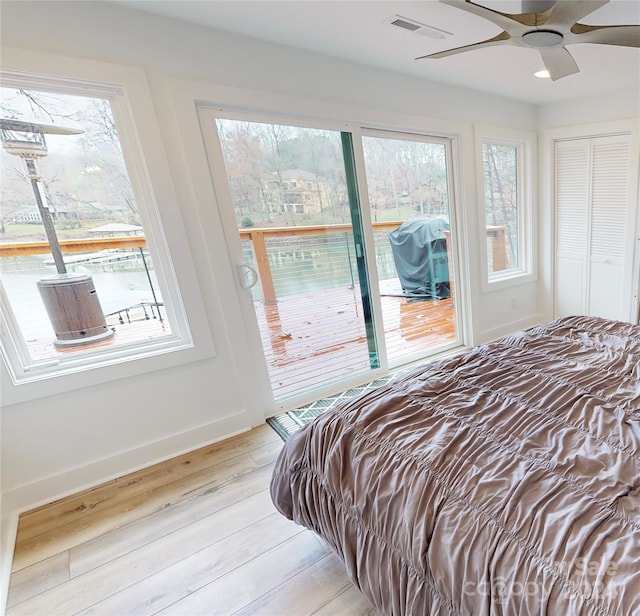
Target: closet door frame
(631,311)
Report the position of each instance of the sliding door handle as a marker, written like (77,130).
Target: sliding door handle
(248,276)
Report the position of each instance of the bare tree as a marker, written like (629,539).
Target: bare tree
(500,193)
(94,179)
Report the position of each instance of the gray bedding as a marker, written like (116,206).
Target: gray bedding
(502,481)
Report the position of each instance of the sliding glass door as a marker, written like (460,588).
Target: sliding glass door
(408,180)
(295,201)
(332,226)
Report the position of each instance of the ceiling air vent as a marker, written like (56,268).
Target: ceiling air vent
(415,26)
(401,22)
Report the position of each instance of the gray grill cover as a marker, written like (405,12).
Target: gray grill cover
(420,253)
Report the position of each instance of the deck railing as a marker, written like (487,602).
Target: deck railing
(258,238)
(19,249)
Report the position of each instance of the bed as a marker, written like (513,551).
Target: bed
(505,480)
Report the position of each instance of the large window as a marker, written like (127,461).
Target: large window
(85,279)
(506,198)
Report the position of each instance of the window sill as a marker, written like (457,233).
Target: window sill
(34,383)
(507,281)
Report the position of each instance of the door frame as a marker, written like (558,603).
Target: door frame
(207,113)
(548,183)
(459,302)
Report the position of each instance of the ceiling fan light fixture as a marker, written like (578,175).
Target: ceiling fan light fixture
(544,74)
(542,38)
(548,26)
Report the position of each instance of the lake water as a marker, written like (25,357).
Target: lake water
(115,289)
(298,266)
(315,263)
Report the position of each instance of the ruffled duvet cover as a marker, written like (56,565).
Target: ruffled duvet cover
(502,481)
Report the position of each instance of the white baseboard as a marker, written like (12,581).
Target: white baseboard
(49,489)
(496,333)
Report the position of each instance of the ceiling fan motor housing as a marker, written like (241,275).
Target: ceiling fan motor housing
(542,38)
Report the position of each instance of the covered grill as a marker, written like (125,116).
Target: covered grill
(420,253)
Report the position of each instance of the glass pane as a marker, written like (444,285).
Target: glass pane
(290,196)
(75,265)
(500,163)
(409,198)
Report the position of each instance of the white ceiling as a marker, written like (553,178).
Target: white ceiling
(359,31)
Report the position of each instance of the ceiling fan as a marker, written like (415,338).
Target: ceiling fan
(549,27)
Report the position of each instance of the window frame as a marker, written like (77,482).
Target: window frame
(525,144)
(138,131)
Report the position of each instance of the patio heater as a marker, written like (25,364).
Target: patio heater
(70,299)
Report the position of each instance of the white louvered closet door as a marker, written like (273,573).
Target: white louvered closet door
(593,217)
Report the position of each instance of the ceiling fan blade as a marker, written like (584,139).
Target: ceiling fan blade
(559,62)
(625,36)
(505,20)
(565,13)
(500,39)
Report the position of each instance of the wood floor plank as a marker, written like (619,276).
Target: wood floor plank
(37,578)
(235,590)
(351,602)
(267,454)
(210,542)
(304,593)
(105,519)
(96,585)
(188,575)
(85,503)
(106,547)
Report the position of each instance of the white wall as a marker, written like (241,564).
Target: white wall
(66,441)
(607,107)
(58,436)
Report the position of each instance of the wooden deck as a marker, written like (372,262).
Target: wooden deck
(140,329)
(314,339)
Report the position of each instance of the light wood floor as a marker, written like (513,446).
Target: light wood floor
(194,535)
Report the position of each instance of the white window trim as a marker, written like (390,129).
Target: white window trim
(526,143)
(141,142)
